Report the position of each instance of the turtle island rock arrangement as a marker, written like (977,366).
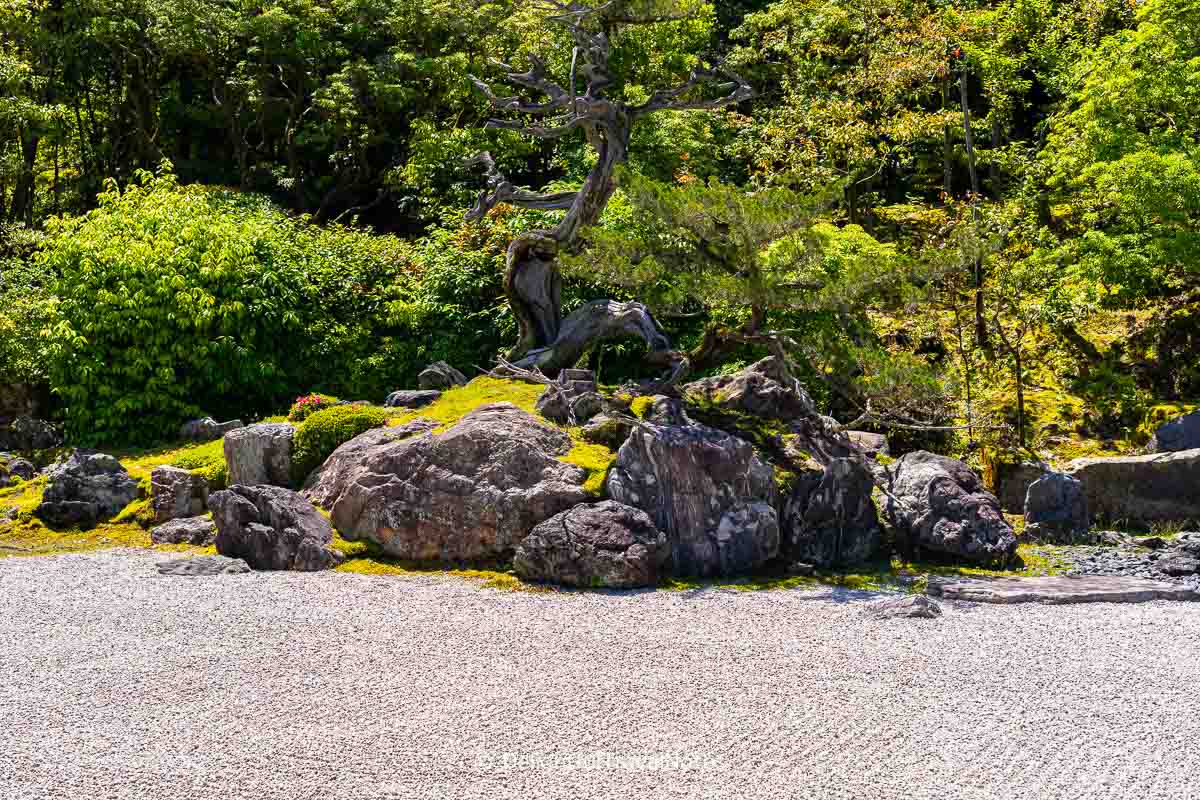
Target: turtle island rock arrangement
(85,489)
(707,490)
(471,493)
(603,545)
(272,528)
(939,505)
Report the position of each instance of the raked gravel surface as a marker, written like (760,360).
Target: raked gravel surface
(116,682)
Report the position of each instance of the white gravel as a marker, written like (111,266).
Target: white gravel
(121,683)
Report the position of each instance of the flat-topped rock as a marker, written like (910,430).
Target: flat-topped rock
(1058,590)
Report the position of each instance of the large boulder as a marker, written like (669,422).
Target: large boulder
(25,434)
(86,488)
(707,490)
(940,506)
(326,483)
(1056,510)
(206,429)
(469,494)
(1182,433)
(411,398)
(764,389)
(1140,490)
(189,530)
(176,493)
(829,518)
(603,545)
(260,454)
(270,527)
(1012,482)
(440,375)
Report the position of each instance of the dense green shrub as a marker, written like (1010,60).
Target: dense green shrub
(319,435)
(176,301)
(26,308)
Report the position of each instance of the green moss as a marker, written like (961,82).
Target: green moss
(1158,415)
(366,558)
(595,458)
(456,403)
(139,512)
(641,406)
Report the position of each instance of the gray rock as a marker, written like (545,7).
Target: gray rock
(765,389)
(873,445)
(586,406)
(911,607)
(203,565)
(206,429)
(418,398)
(1182,433)
(177,493)
(1140,490)
(86,488)
(327,481)
(1177,564)
(26,434)
(188,530)
(1058,589)
(469,494)
(13,469)
(707,490)
(664,410)
(1056,510)
(612,432)
(440,375)
(554,404)
(602,545)
(260,454)
(939,505)
(829,519)
(18,399)
(272,528)
(1013,482)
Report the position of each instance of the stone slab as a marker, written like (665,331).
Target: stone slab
(1058,590)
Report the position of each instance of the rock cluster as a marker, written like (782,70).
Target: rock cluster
(272,528)
(471,493)
(86,488)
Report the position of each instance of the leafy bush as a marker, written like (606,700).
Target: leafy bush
(323,432)
(309,404)
(175,300)
(206,460)
(26,308)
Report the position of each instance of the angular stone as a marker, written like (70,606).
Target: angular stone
(1056,510)
(260,454)
(707,490)
(1178,564)
(13,468)
(177,493)
(1013,482)
(1182,433)
(1140,490)
(939,505)
(829,519)
(1058,589)
(86,488)
(188,530)
(272,528)
(418,398)
(440,375)
(470,494)
(910,607)
(206,429)
(602,545)
(203,565)
(764,389)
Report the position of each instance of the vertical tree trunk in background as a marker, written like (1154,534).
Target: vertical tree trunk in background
(981,335)
(22,202)
(947,143)
(994,167)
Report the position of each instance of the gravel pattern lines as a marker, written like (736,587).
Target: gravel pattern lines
(122,683)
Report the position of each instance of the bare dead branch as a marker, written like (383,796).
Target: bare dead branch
(734,87)
(502,191)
